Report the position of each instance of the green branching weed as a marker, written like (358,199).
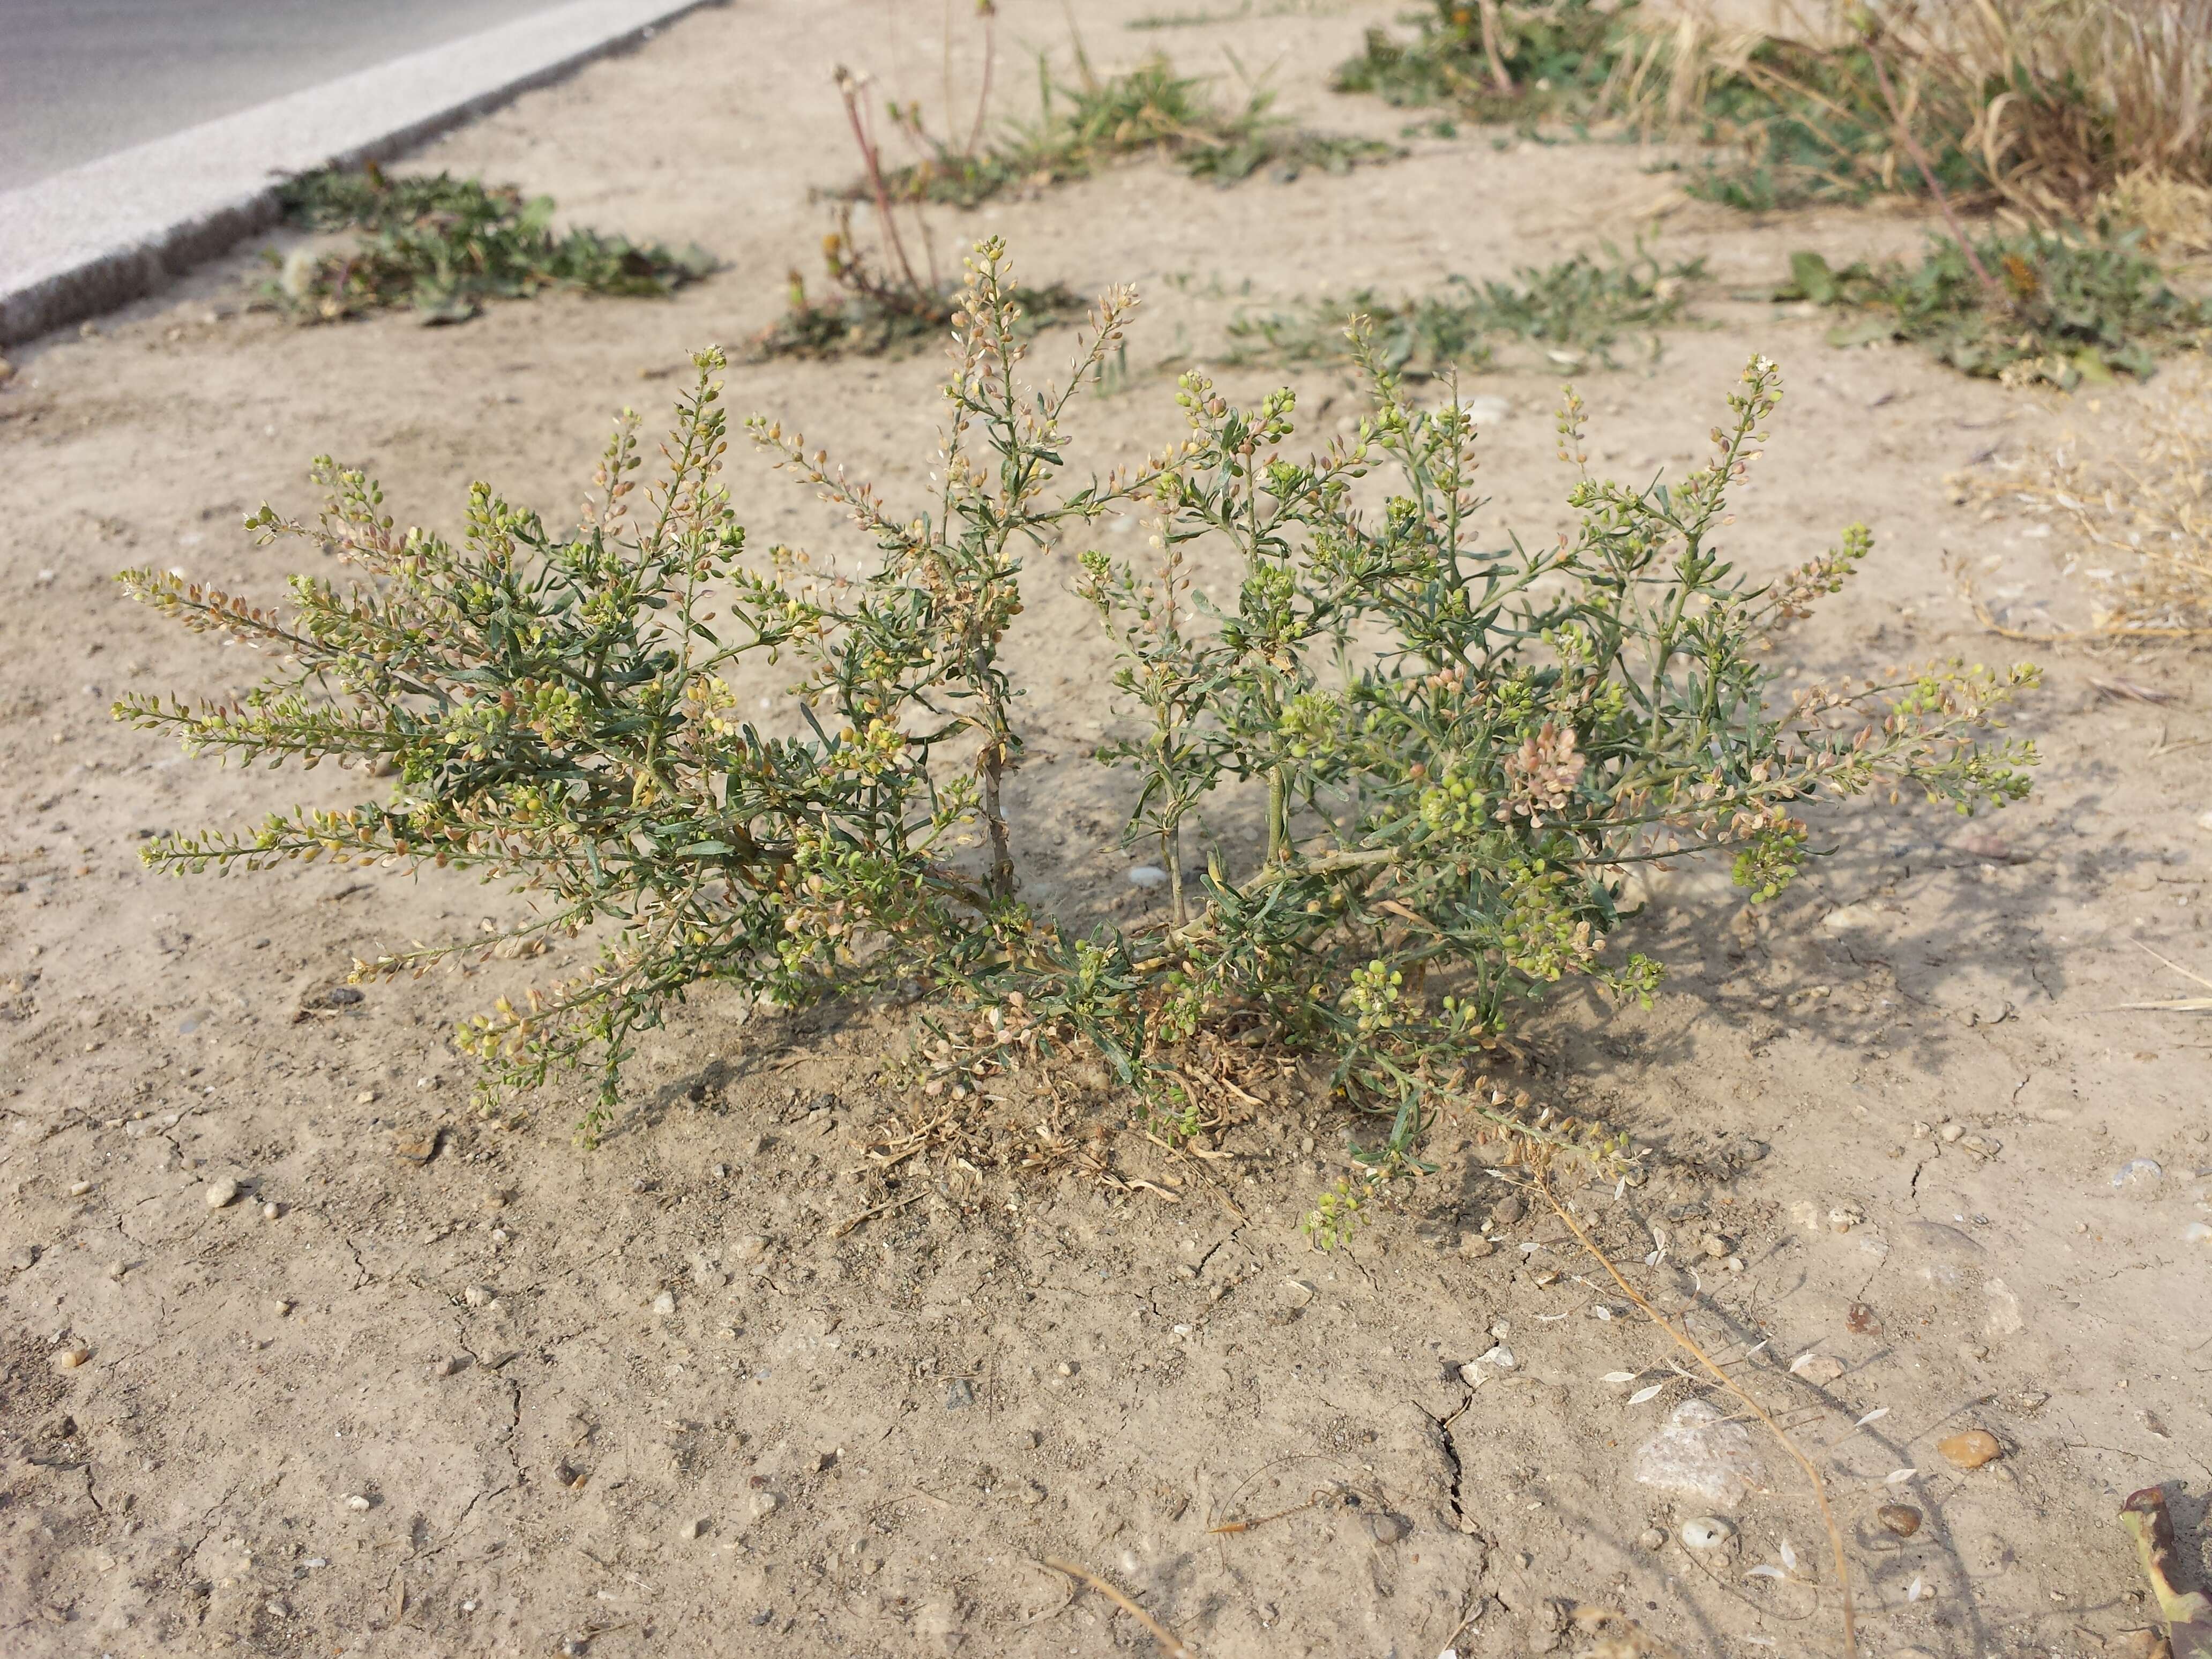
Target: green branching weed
(2061,307)
(1576,309)
(1148,110)
(444,246)
(1459,747)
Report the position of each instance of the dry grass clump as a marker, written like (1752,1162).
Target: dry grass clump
(2053,108)
(2140,507)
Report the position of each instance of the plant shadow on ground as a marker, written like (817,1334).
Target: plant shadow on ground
(1856,960)
(762,1043)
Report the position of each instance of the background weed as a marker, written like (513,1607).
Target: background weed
(2060,307)
(445,246)
(1579,309)
(1147,111)
(2059,109)
(1496,60)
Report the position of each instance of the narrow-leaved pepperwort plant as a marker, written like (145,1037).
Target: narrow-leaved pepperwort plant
(1457,749)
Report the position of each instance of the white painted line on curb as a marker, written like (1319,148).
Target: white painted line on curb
(98,236)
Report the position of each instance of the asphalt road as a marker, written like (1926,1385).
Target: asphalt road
(81,79)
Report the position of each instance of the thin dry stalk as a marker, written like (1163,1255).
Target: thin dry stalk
(1315,1502)
(2178,1004)
(1170,1642)
(849,86)
(989,13)
(1498,76)
(1619,1636)
(1690,1345)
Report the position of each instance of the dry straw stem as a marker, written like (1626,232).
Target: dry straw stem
(1619,1636)
(2178,1004)
(1683,1341)
(1170,1642)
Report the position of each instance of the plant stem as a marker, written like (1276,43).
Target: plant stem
(1498,76)
(1002,855)
(990,14)
(849,89)
(1171,852)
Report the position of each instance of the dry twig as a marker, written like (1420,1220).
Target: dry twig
(1170,1643)
(2177,1004)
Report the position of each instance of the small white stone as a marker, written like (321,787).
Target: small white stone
(68,1358)
(1707,1532)
(1148,876)
(766,1502)
(751,1248)
(1299,1292)
(355,1501)
(664,1304)
(271,1210)
(79,1189)
(220,1192)
(477,1296)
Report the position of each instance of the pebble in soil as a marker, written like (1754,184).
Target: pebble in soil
(1970,1449)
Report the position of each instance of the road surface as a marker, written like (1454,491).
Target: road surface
(81,79)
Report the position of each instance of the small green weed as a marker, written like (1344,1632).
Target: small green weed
(1499,62)
(445,246)
(2059,308)
(1148,110)
(1577,309)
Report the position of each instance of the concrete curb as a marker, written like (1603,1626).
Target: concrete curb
(97,236)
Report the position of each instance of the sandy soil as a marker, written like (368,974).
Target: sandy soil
(384,1407)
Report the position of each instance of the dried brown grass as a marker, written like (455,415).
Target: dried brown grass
(2059,108)
(2135,500)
